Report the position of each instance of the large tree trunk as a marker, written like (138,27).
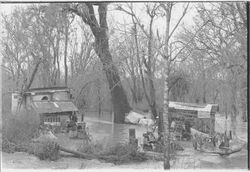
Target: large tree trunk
(233,106)
(100,32)
(166,131)
(119,98)
(165,117)
(150,73)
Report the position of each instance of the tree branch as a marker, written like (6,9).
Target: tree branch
(180,19)
(102,10)
(241,13)
(93,21)
(34,71)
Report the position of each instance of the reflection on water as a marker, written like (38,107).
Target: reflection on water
(102,128)
(222,124)
(237,160)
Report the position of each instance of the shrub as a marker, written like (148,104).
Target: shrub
(114,153)
(46,150)
(91,148)
(18,130)
(122,153)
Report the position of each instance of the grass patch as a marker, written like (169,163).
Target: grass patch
(114,153)
(18,132)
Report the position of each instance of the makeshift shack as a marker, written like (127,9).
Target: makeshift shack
(53,105)
(200,117)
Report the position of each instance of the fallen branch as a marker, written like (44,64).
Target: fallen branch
(78,154)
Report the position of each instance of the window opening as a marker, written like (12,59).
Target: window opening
(45,98)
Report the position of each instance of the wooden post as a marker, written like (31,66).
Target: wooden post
(212,123)
(82,115)
(131,134)
(160,123)
(132,137)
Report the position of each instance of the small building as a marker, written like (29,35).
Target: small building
(53,105)
(201,117)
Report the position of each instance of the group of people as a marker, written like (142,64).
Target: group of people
(218,140)
(181,127)
(222,140)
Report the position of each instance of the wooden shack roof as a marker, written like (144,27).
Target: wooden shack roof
(47,89)
(53,107)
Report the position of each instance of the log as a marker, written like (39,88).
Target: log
(221,152)
(79,154)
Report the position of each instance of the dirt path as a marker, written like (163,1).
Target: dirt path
(21,160)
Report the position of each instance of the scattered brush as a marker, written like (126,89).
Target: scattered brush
(91,148)
(17,132)
(46,150)
(8,146)
(117,154)
(123,153)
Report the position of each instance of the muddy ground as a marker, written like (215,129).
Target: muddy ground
(102,131)
(187,159)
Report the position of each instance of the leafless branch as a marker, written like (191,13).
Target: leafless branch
(180,19)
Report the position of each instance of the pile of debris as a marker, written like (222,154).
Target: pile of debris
(137,118)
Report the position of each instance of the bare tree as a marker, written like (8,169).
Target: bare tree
(100,31)
(126,50)
(167,8)
(147,60)
(223,43)
(67,24)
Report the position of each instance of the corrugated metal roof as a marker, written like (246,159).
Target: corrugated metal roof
(193,107)
(67,106)
(53,107)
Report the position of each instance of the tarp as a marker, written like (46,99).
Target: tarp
(136,118)
(53,107)
(146,122)
(133,117)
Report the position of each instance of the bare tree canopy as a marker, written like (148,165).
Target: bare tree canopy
(120,58)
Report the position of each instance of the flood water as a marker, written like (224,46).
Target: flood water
(102,129)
